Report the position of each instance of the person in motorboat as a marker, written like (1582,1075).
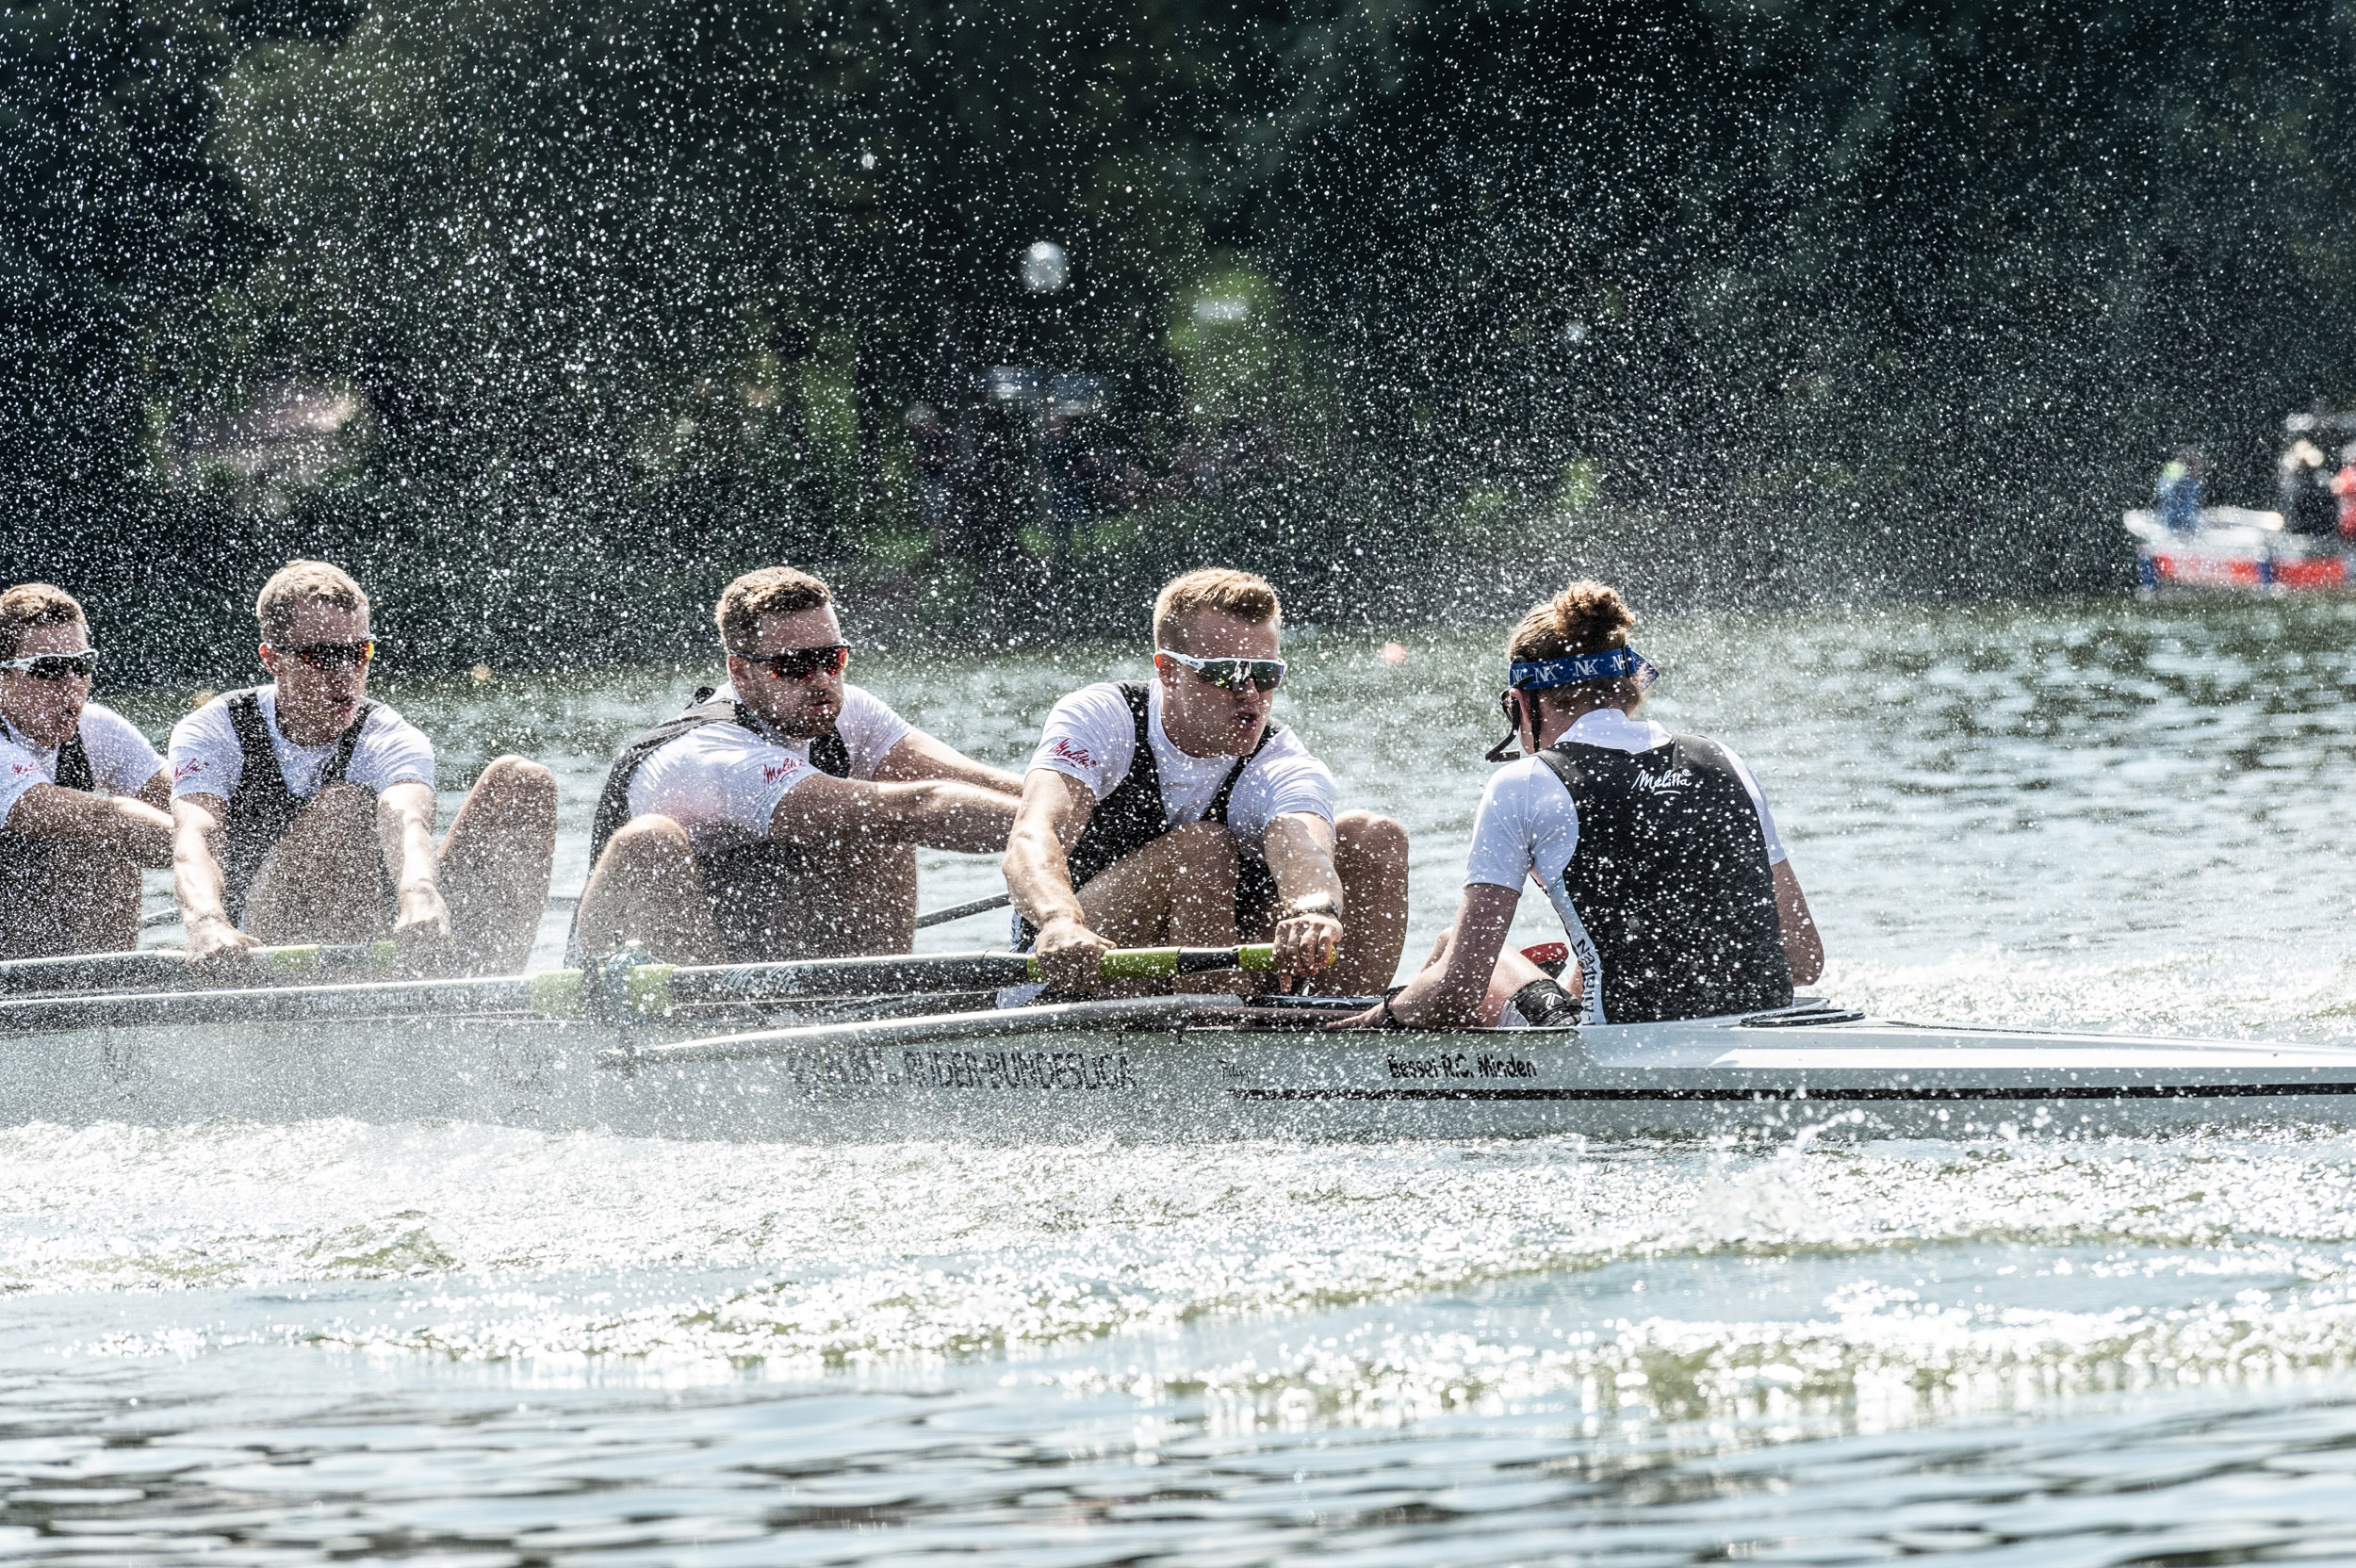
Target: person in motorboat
(2177,497)
(779,816)
(303,810)
(82,792)
(1174,811)
(2309,508)
(1658,851)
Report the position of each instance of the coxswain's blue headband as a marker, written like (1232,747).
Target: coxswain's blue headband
(1540,675)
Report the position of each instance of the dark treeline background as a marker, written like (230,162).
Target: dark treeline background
(547,315)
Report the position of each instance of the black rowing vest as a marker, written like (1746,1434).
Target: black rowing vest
(31,868)
(1671,881)
(736,876)
(1134,815)
(261,808)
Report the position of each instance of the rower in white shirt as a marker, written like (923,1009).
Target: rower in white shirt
(82,792)
(779,816)
(1176,812)
(304,812)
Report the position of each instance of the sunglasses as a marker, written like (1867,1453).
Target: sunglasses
(1233,675)
(54,667)
(330,656)
(801,663)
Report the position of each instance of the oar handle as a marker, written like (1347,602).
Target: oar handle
(1168,963)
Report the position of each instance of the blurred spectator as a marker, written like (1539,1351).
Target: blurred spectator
(2179,494)
(2344,486)
(2308,505)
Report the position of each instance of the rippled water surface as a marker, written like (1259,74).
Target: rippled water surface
(334,1340)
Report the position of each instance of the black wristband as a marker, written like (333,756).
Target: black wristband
(1391,1020)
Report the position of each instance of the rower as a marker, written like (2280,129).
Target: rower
(303,811)
(1174,812)
(82,792)
(779,816)
(1658,851)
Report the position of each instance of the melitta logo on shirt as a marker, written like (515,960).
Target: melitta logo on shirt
(188,769)
(771,771)
(1662,783)
(1064,751)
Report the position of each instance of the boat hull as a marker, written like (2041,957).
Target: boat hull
(1860,1078)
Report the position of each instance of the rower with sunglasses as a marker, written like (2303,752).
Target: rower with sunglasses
(1656,850)
(779,817)
(82,792)
(1174,812)
(304,812)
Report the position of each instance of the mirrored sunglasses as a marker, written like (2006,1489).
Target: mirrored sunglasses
(801,663)
(1234,675)
(54,667)
(329,656)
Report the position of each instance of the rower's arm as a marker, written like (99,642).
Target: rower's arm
(919,756)
(938,813)
(1300,850)
(404,827)
(1803,946)
(1054,813)
(198,845)
(1450,990)
(156,792)
(119,826)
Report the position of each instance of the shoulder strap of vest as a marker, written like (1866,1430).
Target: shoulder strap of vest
(74,769)
(346,743)
(245,717)
(829,754)
(1218,811)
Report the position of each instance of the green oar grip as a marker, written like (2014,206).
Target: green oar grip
(1168,963)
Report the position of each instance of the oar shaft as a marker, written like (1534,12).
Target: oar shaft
(170,966)
(959,912)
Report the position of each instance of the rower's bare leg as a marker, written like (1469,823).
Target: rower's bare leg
(1177,891)
(845,899)
(321,882)
(645,889)
(1512,973)
(90,902)
(496,863)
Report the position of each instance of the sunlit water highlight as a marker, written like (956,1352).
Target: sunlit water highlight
(339,1340)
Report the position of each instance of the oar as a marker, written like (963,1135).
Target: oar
(618,991)
(169,966)
(959,912)
(1128,1013)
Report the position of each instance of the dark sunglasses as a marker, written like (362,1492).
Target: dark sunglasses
(1234,675)
(801,663)
(54,667)
(329,656)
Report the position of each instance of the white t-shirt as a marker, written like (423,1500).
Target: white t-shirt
(207,759)
(1528,825)
(1091,736)
(120,759)
(722,782)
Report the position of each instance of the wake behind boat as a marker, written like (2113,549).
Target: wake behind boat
(1166,1069)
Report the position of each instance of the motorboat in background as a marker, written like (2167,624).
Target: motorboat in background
(2301,547)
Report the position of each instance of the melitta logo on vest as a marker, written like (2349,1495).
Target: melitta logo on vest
(1660,783)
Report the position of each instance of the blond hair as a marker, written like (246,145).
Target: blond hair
(1586,617)
(31,604)
(1249,598)
(769,591)
(298,583)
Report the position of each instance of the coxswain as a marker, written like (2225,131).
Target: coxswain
(1173,811)
(83,795)
(303,811)
(1656,850)
(779,816)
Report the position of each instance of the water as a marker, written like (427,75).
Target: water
(471,1344)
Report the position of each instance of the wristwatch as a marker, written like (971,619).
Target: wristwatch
(1313,903)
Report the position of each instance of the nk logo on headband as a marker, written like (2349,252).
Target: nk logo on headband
(1610,664)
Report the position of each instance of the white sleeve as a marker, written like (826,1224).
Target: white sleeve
(1777,855)
(1526,822)
(719,776)
(1282,780)
(391,751)
(121,758)
(1091,736)
(204,751)
(869,728)
(20,770)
